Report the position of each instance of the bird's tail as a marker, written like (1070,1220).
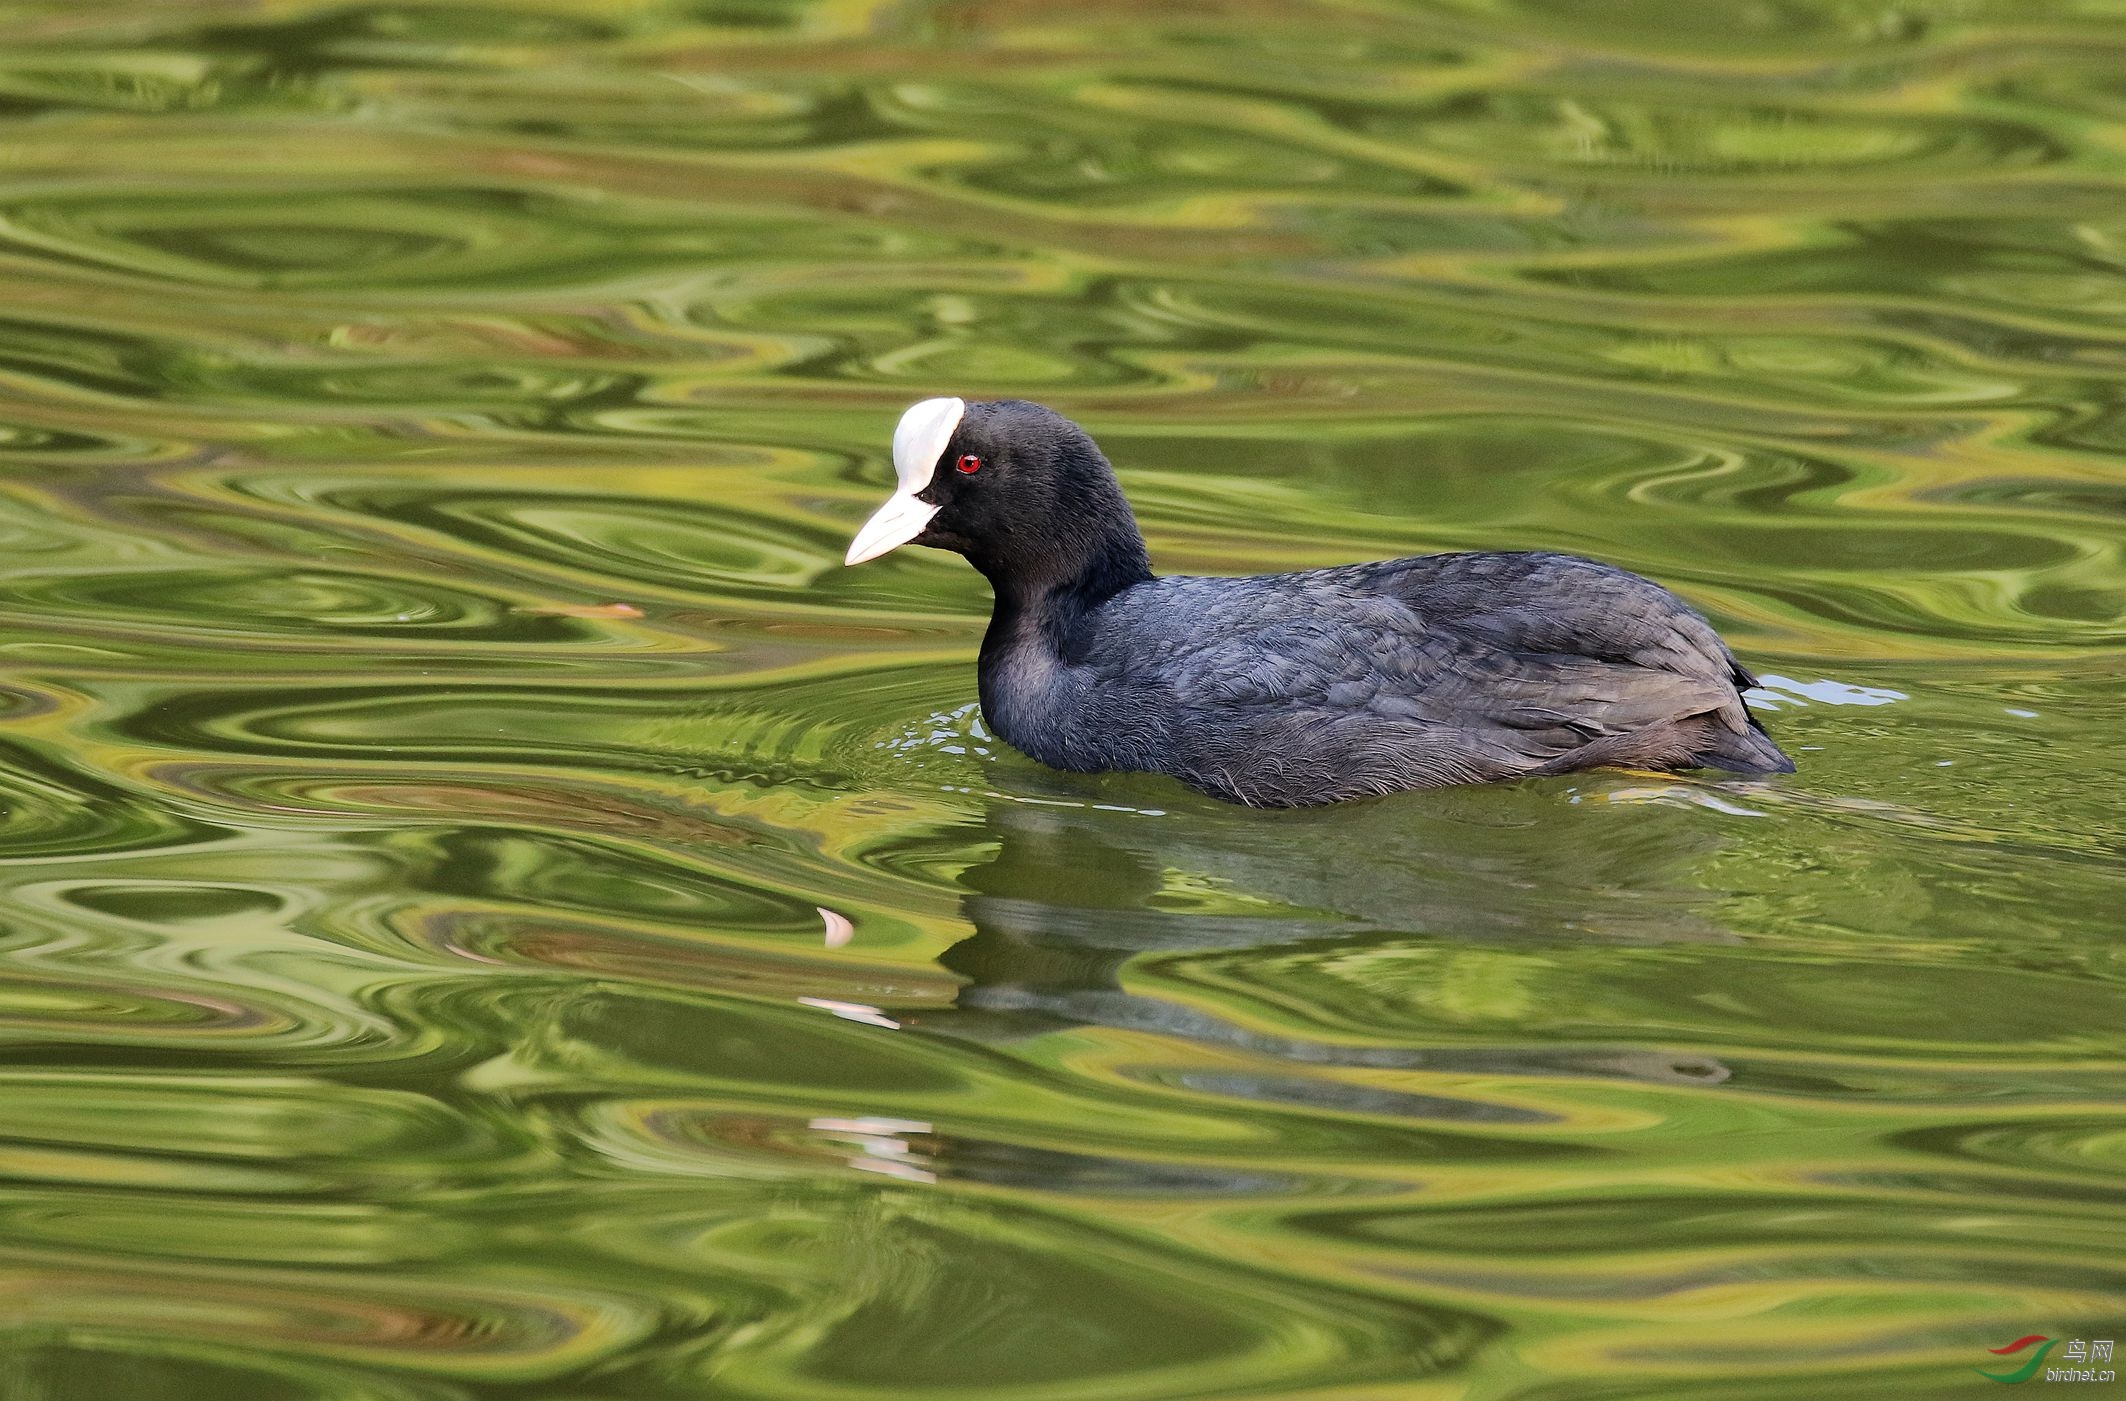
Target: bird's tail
(1750,751)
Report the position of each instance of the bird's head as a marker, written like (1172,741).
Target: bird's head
(1018,489)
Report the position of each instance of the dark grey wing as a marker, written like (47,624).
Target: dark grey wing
(1342,693)
(1558,604)
(1561,606)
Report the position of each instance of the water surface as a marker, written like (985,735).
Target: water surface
(494,910)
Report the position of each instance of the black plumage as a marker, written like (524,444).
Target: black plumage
(1293,689)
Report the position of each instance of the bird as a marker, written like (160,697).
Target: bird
(1294,690)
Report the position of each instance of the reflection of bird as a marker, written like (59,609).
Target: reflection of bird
(1075,891)
(1291,689)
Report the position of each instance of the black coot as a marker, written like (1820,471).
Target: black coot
(1283,690)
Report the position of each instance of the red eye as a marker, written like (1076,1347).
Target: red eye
(969,464)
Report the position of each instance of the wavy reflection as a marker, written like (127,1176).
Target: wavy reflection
(490,907)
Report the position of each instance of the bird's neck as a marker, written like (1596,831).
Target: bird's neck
(1042,602)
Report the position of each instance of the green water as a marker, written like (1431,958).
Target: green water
(415,985)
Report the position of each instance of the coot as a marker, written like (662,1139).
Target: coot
(1283,690)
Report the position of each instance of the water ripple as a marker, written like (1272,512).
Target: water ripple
(435,724)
